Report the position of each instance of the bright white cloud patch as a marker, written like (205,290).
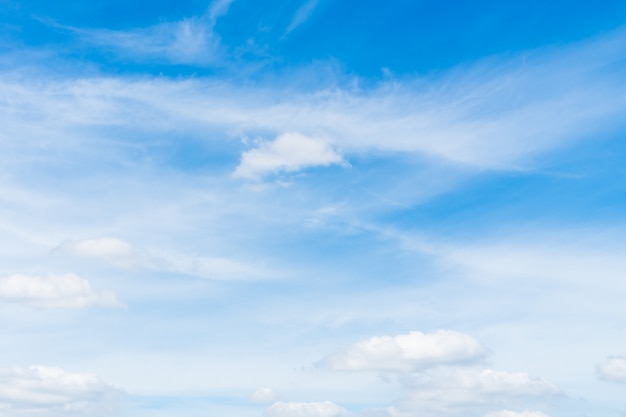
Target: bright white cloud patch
(306,409)
(288,152)
(613,369)
(54,291)
(50,392)
(408,352)
(507,413)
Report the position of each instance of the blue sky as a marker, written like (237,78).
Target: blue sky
(312,208)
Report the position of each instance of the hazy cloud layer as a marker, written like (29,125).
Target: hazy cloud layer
(53,392)
(306,409)
(507,413)
(464,389)
(613,369)
(54,291)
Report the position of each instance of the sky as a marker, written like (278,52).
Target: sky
(312,208)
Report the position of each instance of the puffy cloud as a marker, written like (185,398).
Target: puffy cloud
(306,409)
(613,369)
(507,413)
(54,291)
(264,395)
(288,152)
(49,392)
(464,389)
(408,352)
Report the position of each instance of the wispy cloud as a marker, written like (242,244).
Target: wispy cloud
(188,41)
(119,253)
(302,15)
(495,117)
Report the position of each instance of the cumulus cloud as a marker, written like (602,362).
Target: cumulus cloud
(54,291)
(613,369)
(507,413)
(50,392)
(264,395)
(290,151)
(306,409)
(467,388)
(408,352)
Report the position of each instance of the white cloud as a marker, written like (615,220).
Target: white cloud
(54,291)
(467,388)
(302,14)
(465,116)
(508,413)
(51,392)
(188,41)
(290,151)
(264,395)
(613,369)
(121,254)
(408,352)
(110,250)
(306,409)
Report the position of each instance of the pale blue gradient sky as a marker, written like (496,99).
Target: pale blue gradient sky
(205,204)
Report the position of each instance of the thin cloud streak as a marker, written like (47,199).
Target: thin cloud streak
(498,121)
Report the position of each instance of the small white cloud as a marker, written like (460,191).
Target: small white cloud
(306,409)
(507,413)
(288,152)
(264,395)
(54,291)
(613,369)
(408,352)
(53,392)
(110,250)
